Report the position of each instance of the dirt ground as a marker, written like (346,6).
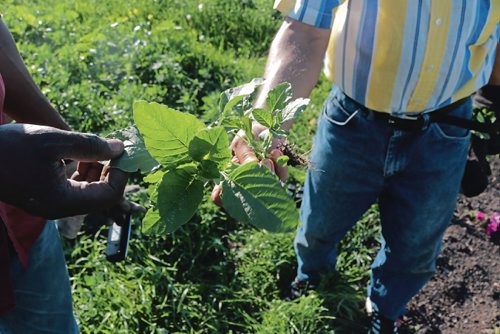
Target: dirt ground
(464,294)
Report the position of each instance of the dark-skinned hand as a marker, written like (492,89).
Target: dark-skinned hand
(33,174)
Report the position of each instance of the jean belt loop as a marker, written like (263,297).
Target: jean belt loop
(426,118)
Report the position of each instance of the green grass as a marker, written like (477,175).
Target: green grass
(93,59)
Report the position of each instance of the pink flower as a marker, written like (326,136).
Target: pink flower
(494,223)
(495,218)
(480,216)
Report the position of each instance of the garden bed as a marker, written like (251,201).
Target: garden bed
(464,294)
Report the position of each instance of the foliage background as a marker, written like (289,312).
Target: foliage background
(92,59)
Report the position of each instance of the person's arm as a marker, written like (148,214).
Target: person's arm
(296,56)
(24,102)
(495,75)
(32,173)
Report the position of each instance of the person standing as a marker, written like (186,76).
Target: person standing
(396,66)
(35,292)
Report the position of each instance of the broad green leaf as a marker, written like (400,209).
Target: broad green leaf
(136,156)
(231,167)
(210,170)
(278,133)
(154,177)
(231,123)
(233,96)
(278,97)
(152,218)
(153,181)
(231,103)
(254,195)
(166,132)
(179,195)
(211,144)
(264,117)
(152,192)
(243,107)
(293,109)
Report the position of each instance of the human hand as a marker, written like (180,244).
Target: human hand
(33,174)
(243,153)
(119,211)
(70,226)
(488,97)
(89,171)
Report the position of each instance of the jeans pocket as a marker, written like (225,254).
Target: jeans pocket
(451,132)
(338,110)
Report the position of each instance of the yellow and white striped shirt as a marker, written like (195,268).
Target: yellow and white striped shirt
(405,56)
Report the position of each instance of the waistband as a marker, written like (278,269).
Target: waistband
(421,121)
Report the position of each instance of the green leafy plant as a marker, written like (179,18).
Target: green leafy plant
(213,275)
(483,115)
(182,154)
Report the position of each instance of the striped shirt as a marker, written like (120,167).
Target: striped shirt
(405,56)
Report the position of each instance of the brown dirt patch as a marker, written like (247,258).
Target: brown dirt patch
(464,294)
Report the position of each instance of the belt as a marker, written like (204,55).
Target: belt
(421,121)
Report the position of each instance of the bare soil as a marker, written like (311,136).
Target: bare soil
(464,294)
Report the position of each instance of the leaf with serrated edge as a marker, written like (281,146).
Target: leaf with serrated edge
(253,194)
(166,132)
(135,156)
(278,97)
(229,98)
(179,195)
(293,110)
(264,117)
(231,123)
(211,144)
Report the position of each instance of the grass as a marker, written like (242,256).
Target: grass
(93,59)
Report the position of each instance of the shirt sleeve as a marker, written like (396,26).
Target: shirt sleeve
(317,13)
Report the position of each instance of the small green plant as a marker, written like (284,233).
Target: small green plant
(182,155)
(483,115)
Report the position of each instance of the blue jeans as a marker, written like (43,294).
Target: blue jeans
(415,177)
(43,292)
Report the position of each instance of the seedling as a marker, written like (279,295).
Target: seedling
(180,155)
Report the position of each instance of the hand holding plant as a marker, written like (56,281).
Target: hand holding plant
(243,153)
(183,155)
